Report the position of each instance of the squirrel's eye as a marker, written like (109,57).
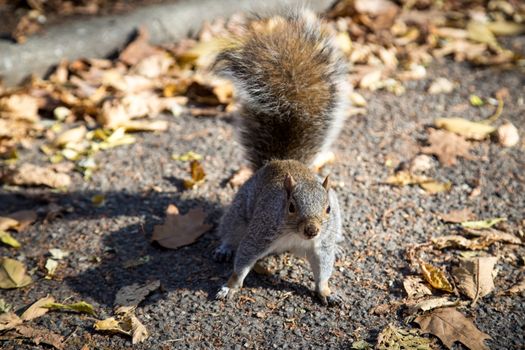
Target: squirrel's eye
(328,210)
(291,208)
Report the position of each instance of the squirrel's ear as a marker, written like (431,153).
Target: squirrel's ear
(326,182)
(289,184)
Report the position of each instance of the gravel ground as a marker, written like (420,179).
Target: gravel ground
(277,310)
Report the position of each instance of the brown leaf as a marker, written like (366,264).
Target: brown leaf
(474,276)
(240,177)
(458,216)
(197,175)
(138,49)
(435,277)
(13,274)
(449,325)
(430,304)
(431,186)
(37,336)
(180,230)
(447,146)
(518,287)
(456,241)
(18,221)
(9,320)
(493,235)
(36,309)
(33,175)
(415,287)
(398,338)
(134,294)
(19,106)
(127,324)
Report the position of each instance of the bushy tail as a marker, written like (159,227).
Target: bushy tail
(291,84)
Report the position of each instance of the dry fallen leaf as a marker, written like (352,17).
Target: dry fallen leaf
(197,175)
(449,325)
(447,146)
(508,135)
(517,288)
(240,177)
(474,276)
(138,49)
(36,309)
(482,224)
(33,175)
(457,216)
(9,320)
(24,218)
(493,235)
(430,304)
(466,128)
(431,186)
(127,324)
(70,136)
(180,230)
(37,336)
(19,106)
(415,287)
(436,277)
(13,274)
(456,241)
(398,338)
(132,296)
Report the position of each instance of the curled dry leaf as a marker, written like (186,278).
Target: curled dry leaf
(7,239)
(240,177)
(456,241)
(415,287)
(33,175)
(37,309)
(127,324)
(197,175)
(398,338)
(466,128)
(180,230)
(457,216)
(508,135)
(436,277)
(493,235)
(19,106)
(430,304)
(23,219)
(74,135)
(447,146)
(449,325)
(13,274)
(474,276)
(517,288)
(134,294)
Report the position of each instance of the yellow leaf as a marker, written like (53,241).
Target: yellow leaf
(435,277)
(433,187)
(476,101)
(186,156)
(74,135)
(6,238)
(482,223)
(197,175)
(81,306)
(464,127)
(506,28)
(13,274)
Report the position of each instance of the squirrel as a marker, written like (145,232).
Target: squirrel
(291,85)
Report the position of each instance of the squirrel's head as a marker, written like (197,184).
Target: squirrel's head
(307,205)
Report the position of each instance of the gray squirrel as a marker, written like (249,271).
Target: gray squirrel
(292,88)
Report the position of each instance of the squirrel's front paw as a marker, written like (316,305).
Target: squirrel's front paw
(340,252)
(332,299)
(224,292)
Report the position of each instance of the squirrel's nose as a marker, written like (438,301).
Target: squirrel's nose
(311,230)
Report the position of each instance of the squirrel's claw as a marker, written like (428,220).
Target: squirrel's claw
(223,293)
(333,299)
(340,252)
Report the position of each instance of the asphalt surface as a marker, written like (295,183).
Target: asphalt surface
(279,310)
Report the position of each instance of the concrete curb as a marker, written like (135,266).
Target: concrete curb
(102,36)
